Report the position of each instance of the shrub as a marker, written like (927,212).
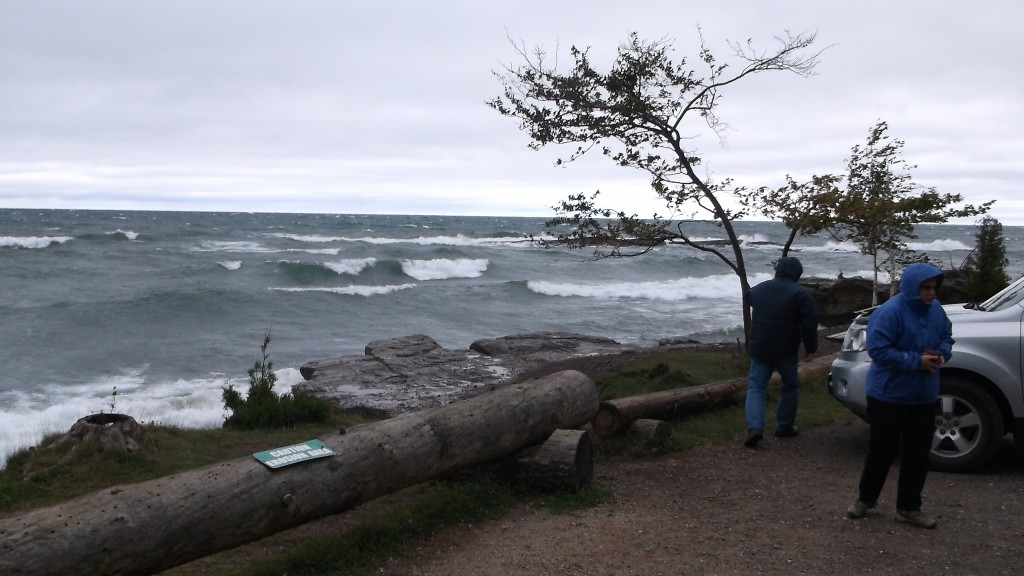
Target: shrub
(264,408)
(985,267)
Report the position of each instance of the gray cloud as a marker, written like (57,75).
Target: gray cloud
(359,107)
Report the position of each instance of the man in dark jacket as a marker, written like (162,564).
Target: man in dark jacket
(784,314)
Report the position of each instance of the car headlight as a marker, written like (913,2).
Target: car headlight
(856,338)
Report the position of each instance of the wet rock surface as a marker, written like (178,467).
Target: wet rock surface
(409,373)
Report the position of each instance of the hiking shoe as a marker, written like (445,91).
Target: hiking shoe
(788,432)
(916,518)
(754,435)
(860,509)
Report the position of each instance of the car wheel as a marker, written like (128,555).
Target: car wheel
(968,427)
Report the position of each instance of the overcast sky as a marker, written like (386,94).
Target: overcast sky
(379,106)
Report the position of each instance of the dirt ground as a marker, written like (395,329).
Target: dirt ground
(725,509)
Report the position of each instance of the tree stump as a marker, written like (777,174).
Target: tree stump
(565,461)
(110,432)
(649,431)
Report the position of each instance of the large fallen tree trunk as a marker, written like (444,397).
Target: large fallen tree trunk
(614,416)
(150,526)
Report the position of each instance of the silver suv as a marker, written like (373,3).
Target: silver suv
(981,398)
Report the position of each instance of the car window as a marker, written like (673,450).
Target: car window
(1005,298)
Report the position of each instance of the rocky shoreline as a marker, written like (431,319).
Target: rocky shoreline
(410,373)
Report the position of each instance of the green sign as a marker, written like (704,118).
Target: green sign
(278,457)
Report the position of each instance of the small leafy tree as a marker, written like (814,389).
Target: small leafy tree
(804,207)
(642,112)
(882,204)
(985,267)
(264,408)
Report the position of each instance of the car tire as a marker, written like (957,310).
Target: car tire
(968,427)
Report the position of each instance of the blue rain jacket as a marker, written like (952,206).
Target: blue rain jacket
(898,332)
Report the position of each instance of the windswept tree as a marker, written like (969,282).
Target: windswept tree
(985,267)
(642,112)
(805,208)
(882,205)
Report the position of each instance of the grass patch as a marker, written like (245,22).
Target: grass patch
(174,450)
(673,369)
(817,408)
(438,505)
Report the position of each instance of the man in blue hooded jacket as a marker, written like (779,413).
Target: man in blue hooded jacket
(784,314)
(909,338)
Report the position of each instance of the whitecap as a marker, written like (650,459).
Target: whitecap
(440,269)
(231,264)
(718,287)
(32,241)
(353,267)
(352,290)
(26,419)
(128,234)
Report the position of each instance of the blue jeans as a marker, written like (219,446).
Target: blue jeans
(789,399)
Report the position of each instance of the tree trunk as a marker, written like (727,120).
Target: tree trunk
(614,416)
(565,461)
(150,526)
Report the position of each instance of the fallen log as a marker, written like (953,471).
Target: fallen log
(151,526)
(565,461)
(615,416)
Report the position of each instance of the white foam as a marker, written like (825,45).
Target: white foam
(831,246)
(32,241)
(352,290)
(231,246)
(312,238)
(719,287)
(440,269)
(940,245)
(353,267)
(126,233)
(441,240)
(26,418)
(231,264)
(330,251)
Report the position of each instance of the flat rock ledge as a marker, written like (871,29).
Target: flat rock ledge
(410,373)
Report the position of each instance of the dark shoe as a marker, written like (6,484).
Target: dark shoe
(790,432)
(754,435)
(860,509)
(916,518)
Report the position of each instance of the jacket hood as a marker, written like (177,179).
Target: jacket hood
(789,267)
(913,276)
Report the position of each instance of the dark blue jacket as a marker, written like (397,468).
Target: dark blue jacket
(784,313)
(898,332)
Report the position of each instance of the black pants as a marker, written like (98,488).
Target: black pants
(895,427)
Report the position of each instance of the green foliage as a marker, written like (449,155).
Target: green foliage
(643,112)
(985,267)
(882,204)
(804,207)
(264,408)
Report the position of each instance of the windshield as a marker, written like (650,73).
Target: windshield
(1005,298)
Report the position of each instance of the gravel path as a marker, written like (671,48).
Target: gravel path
(779,509)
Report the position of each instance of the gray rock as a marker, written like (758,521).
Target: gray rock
(410,373)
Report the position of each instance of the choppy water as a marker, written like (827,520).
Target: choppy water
(169,306)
